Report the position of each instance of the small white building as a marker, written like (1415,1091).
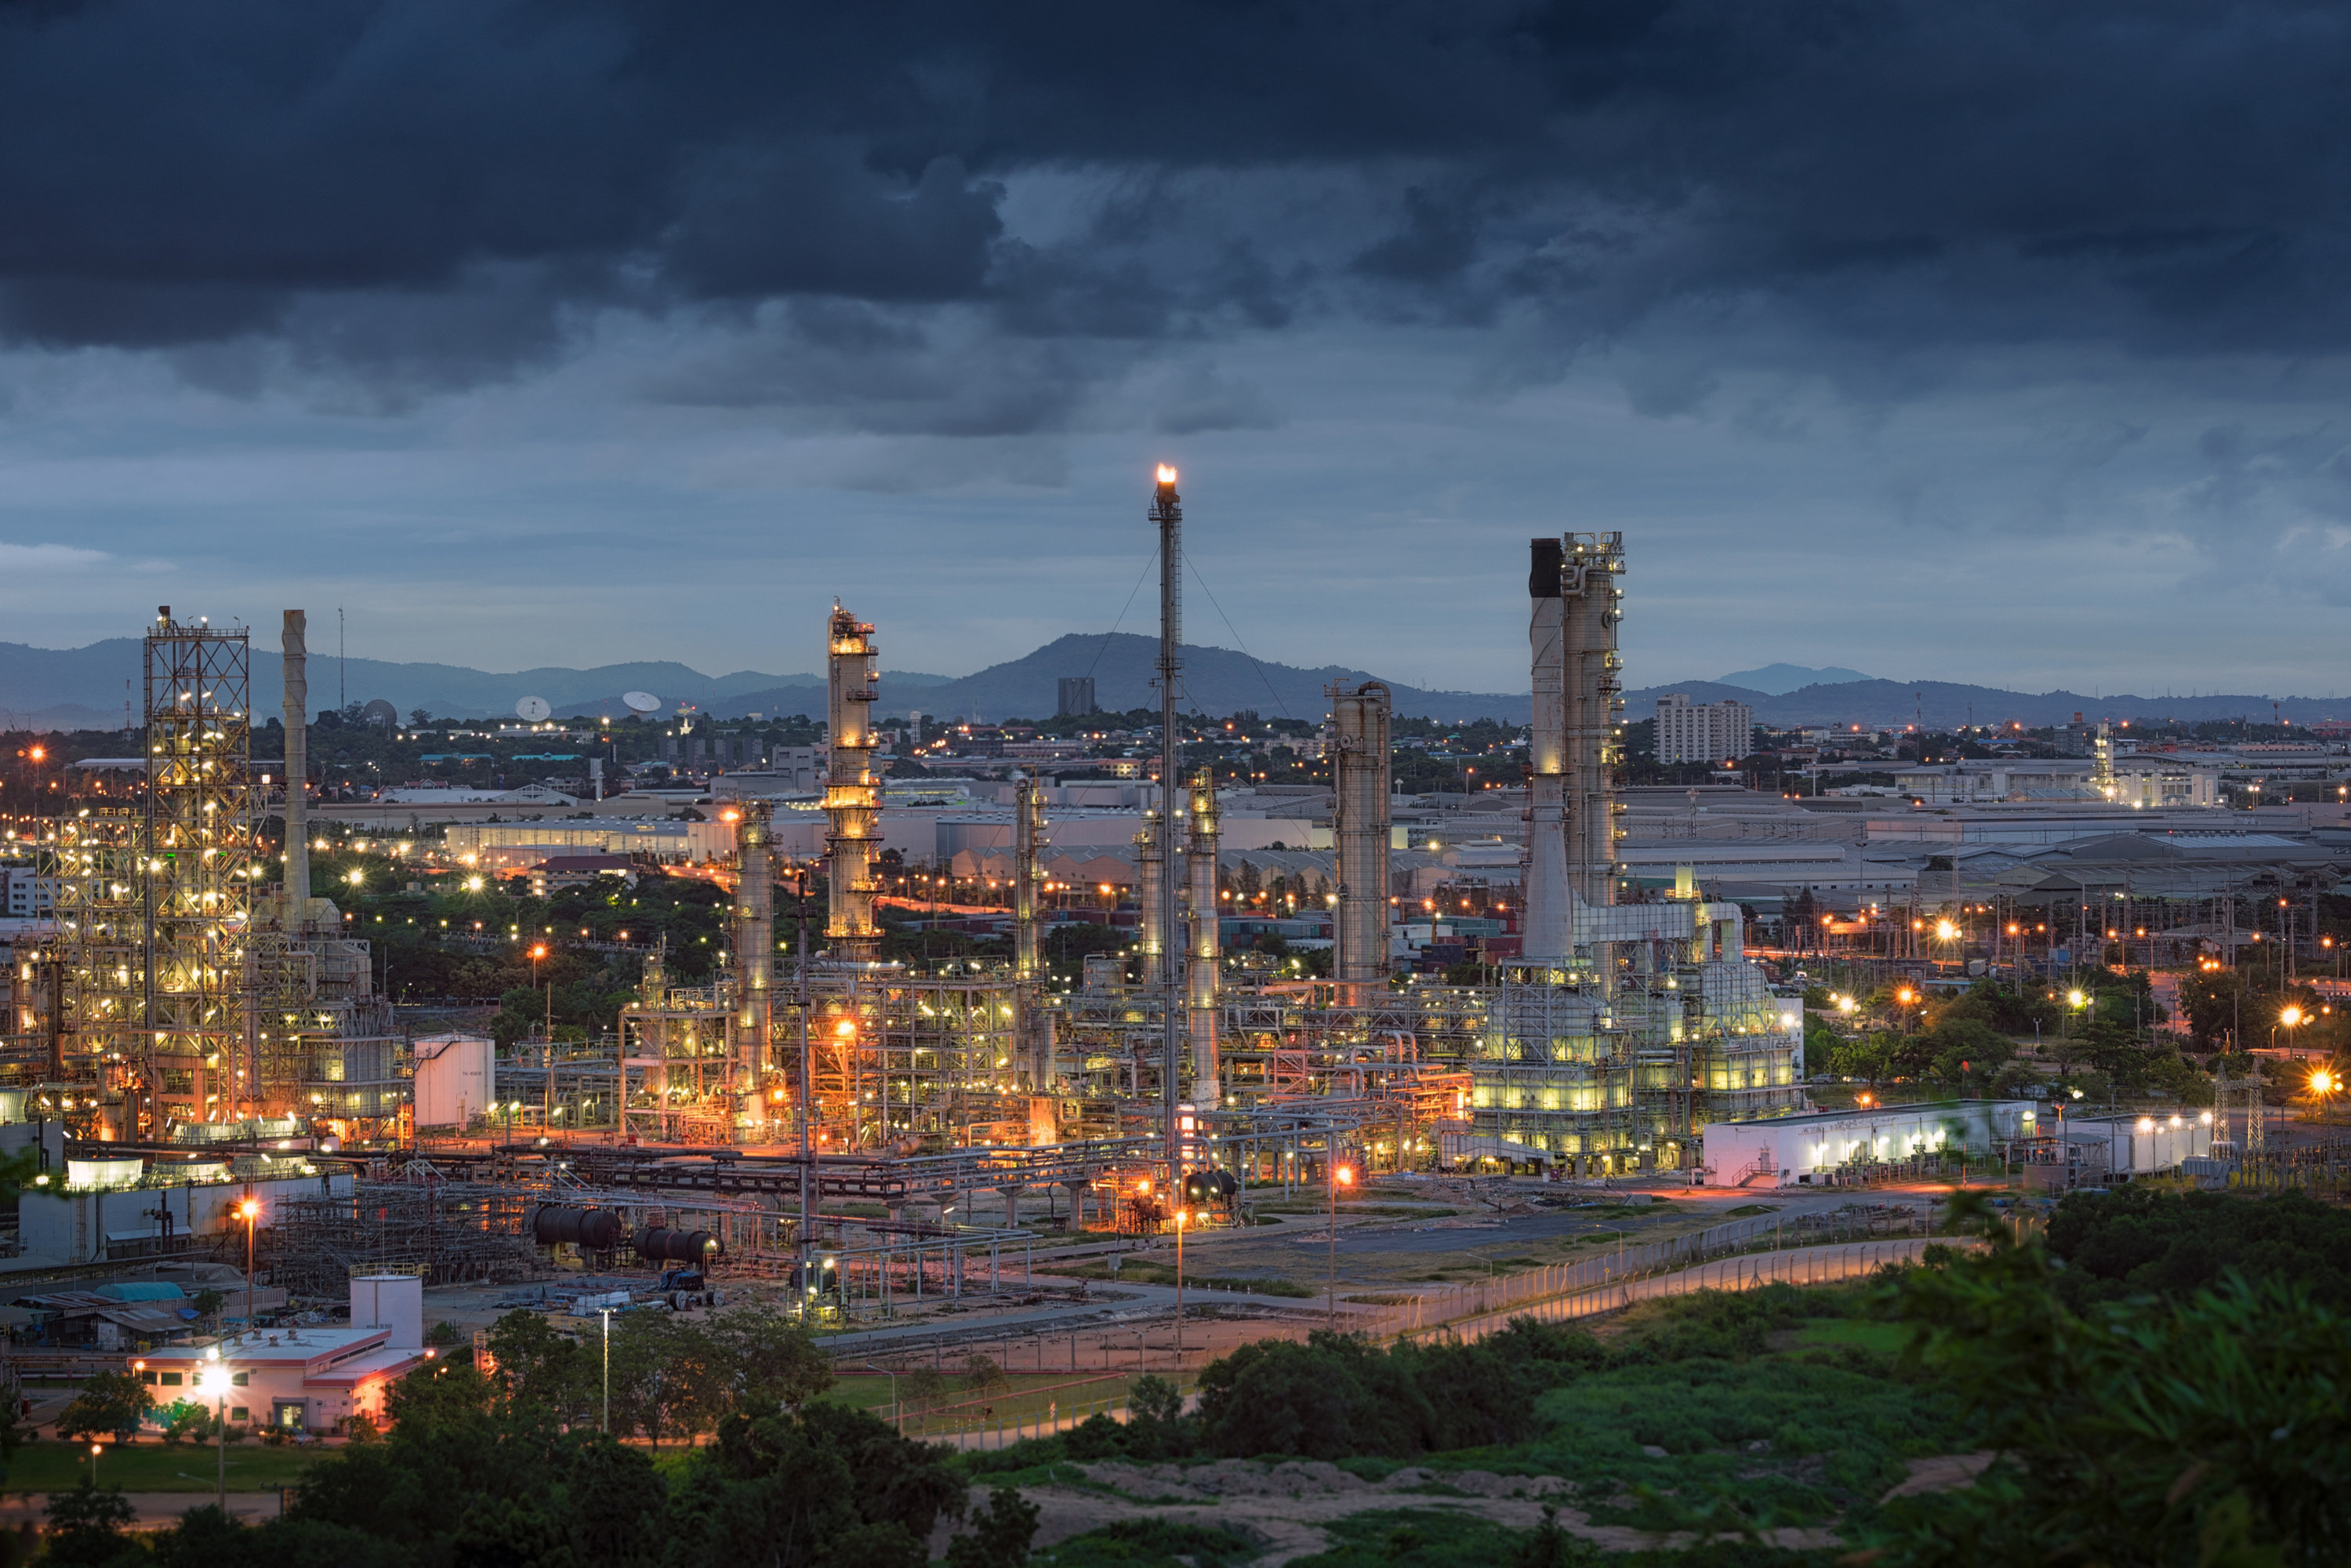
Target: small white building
(2126,1145)
(1799,1151)
(311,1379)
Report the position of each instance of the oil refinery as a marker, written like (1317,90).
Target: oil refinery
(195,994)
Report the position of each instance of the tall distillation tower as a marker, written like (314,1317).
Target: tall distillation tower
(851,800)
(1360,818)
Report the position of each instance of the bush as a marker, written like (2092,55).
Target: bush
(2138,1241)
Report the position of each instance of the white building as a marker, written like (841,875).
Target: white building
(24,894)
(302,1379)
(1791,1151)
(1703,732)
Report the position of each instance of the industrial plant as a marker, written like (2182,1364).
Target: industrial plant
(194,995)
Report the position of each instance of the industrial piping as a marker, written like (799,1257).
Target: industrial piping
(1200,865)
(1360,814)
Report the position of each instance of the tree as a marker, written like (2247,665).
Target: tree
(772,1359)
(86,1529)
(420,716)
(667,1376)
(187,1420)
(999,1537)
(111,1402)
(2208,1429)
(540,1366)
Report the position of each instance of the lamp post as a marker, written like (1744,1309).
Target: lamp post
(1182,1216)
(897,1411)
(606,1424)
(248,1211)
(95,1449)
(1334,1177)
(217,1382)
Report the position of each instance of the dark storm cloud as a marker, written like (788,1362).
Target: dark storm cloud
(430,193)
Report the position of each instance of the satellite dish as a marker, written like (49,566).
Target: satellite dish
(532,709)
(642,702)
(381,713)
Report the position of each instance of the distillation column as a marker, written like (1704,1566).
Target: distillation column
(1150,875)
(1360,722)
(1032,1024)
(1200,864)
(852,801)
(1547,923)
(294,640)
(1593,691)
(754,941)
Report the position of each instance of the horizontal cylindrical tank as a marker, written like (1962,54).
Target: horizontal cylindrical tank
(655,1245)
(598,1229)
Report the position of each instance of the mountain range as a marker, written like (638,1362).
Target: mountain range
(89,688)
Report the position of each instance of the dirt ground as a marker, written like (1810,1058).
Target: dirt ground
(1284,1506)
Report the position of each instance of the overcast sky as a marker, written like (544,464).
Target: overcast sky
(2002,341)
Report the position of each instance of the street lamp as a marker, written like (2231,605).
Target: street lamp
(2322,1083)
(1335,1175)
(214,1380)
(608,1372)
(898,1411)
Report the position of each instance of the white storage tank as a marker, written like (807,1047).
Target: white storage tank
(456,1079)
(394,1302)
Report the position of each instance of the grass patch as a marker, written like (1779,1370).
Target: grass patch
(1413,1538)
(152,1467)
(1840,1334)
(1149,1543)
(1749,1210)
(1380,1300)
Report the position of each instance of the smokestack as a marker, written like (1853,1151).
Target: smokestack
(1547,926)
(1200,862)
(297,766)
(1360,726)
(1167,514)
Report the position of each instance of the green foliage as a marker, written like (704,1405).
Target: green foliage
(86,1529)
(111,1404)
(1150,1544)
(444,1334)
(829,1486)
(765,1358)
(982,1376)
(2138,1241)
(1334,1395)
(999,1536)
(187,1420)
(2211,1428)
